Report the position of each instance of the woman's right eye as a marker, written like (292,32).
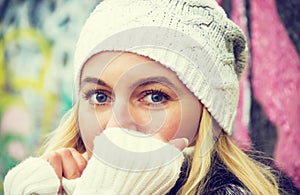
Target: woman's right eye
(97,97)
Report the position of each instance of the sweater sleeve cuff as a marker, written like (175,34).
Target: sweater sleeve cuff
(34,175)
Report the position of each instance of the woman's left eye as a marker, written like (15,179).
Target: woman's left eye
(155,97)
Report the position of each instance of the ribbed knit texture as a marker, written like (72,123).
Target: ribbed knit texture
(194,38)
(103,176)
(34,175)
(69,185)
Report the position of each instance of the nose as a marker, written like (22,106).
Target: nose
(121,116)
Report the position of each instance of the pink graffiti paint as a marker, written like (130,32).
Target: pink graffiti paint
(276,82)
(16,119)
(241,126)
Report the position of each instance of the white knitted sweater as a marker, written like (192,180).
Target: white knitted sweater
(101,175)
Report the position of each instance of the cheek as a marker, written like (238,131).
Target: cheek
(171,124)
(190,118)
(182,121)
(89,125)
(169,129)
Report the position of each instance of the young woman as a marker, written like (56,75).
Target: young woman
(156,87)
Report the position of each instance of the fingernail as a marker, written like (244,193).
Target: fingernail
(186,141)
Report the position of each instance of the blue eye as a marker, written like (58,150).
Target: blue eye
(97,97)
(155,97)
(101,97)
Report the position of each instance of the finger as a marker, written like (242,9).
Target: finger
(80,160)
(55,161)
(69,164)
(179,143)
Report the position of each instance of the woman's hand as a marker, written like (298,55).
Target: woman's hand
(67,163)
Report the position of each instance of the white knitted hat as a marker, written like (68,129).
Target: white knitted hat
(194,38)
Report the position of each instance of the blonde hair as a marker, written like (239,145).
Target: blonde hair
(67,135)
(255,176)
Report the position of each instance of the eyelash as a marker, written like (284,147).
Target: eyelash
(88,95)
(155,91)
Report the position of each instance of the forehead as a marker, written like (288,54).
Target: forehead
(128,71)
(112,65)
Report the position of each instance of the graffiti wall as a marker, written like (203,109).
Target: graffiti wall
(37,41)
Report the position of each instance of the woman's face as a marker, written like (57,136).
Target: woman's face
(134,92)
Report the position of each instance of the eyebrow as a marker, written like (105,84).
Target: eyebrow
(141,82)
(93,80)
(151,80)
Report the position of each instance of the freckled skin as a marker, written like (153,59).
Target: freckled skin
(130,102)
